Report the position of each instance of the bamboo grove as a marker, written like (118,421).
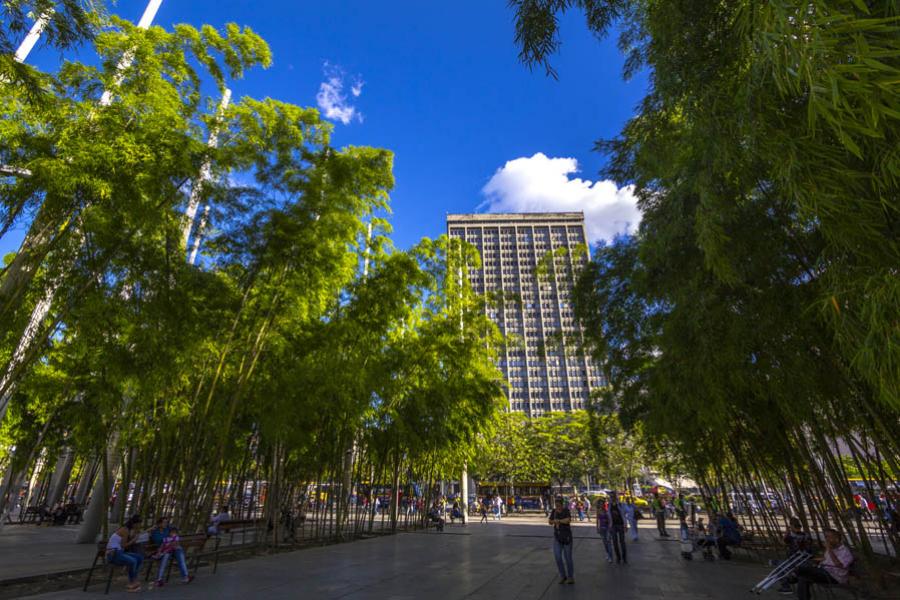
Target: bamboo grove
(190,324)
(751,324)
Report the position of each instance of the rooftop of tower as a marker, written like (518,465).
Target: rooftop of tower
(507,217)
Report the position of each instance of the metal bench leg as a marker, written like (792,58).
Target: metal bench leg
(216,562)
(90,573)
(112,571)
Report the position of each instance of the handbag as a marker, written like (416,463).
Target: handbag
(563,536)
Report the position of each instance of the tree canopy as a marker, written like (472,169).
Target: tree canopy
(297,349)
(752,320)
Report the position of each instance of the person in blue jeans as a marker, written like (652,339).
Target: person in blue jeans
(617,529)
(162,537)
(561,519)
(116,555)
(171,547)
(603,524)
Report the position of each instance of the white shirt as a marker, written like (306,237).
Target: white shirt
(844,555)
(115,542)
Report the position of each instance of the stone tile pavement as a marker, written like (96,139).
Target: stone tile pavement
(511,559)
(28,549)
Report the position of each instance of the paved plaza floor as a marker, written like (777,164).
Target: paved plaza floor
(27,550)
(511,559)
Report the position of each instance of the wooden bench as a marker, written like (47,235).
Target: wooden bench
(100,556)
(29,514)
(242,526)
(74,513)
(192,545)
(756,546)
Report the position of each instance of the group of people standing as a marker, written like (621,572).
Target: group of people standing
(493,505)
(613,520)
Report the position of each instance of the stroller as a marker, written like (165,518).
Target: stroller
(435,517)
(781,571)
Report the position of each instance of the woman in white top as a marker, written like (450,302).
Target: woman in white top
(121,539)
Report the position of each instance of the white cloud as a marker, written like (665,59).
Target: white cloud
(542,184)
(331,97)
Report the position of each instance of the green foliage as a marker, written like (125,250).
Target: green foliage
(559,448)
(750,325)
(298,339)
(69,23)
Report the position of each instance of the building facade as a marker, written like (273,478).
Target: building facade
(529,265)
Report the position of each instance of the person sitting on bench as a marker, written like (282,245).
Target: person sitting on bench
(58,514)
(122,538)
(43,513)
(217,520)
(706,537)
(729,535)
(168,546)
(796,541)
(456,512)
(832,569)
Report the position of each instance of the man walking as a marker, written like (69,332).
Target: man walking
(660,511)
(603,527)
(617,528)
(561,519)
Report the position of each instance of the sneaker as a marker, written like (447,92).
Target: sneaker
(609,560)
(159,583)
(188,579)
(570,581)
(563,580)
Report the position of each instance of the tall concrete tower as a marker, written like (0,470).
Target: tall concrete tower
(531,261)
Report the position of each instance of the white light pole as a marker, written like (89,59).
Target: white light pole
(33,36)
(21,54)
(128,58)
(205,174)
(42,309)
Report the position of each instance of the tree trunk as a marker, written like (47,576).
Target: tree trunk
(98,506)
(395,497)
(61,474)
(86,481)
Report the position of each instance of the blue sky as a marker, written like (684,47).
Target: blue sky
(442,88)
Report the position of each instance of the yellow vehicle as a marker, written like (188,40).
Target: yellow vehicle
(638,501)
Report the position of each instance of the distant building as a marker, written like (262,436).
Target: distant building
(531,260)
